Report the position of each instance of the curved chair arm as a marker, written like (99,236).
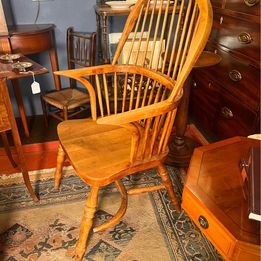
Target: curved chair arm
(126,117)
(138,114)
(78,74)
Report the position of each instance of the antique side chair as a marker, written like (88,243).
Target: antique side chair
(137,97)
(68,102)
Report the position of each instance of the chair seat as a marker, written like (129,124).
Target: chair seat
(69,97)
(97,152)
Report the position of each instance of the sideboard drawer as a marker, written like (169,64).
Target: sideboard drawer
(207,223)
(217,3)
(240,79)
(238,35)
(246,6)
(204,99)
(234,118)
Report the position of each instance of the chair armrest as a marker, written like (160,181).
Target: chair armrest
(138,114)
(80,73)
(130,116)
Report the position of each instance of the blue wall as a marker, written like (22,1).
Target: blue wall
(63,13)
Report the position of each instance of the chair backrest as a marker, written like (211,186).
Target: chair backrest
(165,35)
(160,44)
(80,49)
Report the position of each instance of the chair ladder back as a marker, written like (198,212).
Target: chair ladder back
(80,50)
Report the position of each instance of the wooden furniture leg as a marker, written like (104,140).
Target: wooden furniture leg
(105,39)
(59,166)
(121,211)
(98,28)
(22,165)
(87,222)
(163,172)
(7,148)
(44,108)
(55,67)
(182,147)
(20,105)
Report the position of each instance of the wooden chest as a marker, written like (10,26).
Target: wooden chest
(213,198)
(225,99)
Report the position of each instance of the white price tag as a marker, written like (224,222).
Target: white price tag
(35,87)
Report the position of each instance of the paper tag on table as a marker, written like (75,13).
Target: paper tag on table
(35,87)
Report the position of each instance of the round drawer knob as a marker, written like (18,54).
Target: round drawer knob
(251,2)
(245,38)
(235,75)
(226,113)
(203,222)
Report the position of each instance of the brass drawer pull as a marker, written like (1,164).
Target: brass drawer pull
(251,2)
(226,113)
(203,222)
(235,75)
(244,38)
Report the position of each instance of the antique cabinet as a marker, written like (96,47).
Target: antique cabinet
(225,99)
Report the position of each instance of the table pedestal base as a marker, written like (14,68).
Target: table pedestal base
(180,151)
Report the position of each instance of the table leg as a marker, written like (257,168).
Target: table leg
(98,33)
(105,39)
(16,138)
(55,67)
(181,147)
(20,105)
(7,148)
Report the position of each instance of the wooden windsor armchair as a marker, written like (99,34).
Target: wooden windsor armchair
(68,102)
(136,101)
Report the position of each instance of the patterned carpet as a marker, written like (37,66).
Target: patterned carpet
(47,231)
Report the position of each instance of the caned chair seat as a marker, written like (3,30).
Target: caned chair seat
(70,98)
(96,151)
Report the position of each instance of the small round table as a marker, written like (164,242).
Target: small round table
(180,146)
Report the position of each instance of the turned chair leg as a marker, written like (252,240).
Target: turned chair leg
(87,223)
(59,166)
(7,148)
(163,172)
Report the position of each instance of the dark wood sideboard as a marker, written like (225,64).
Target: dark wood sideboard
(225,99)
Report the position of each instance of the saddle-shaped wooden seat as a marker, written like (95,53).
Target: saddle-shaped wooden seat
(92,144)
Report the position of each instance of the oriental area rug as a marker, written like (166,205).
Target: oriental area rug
(151,229)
